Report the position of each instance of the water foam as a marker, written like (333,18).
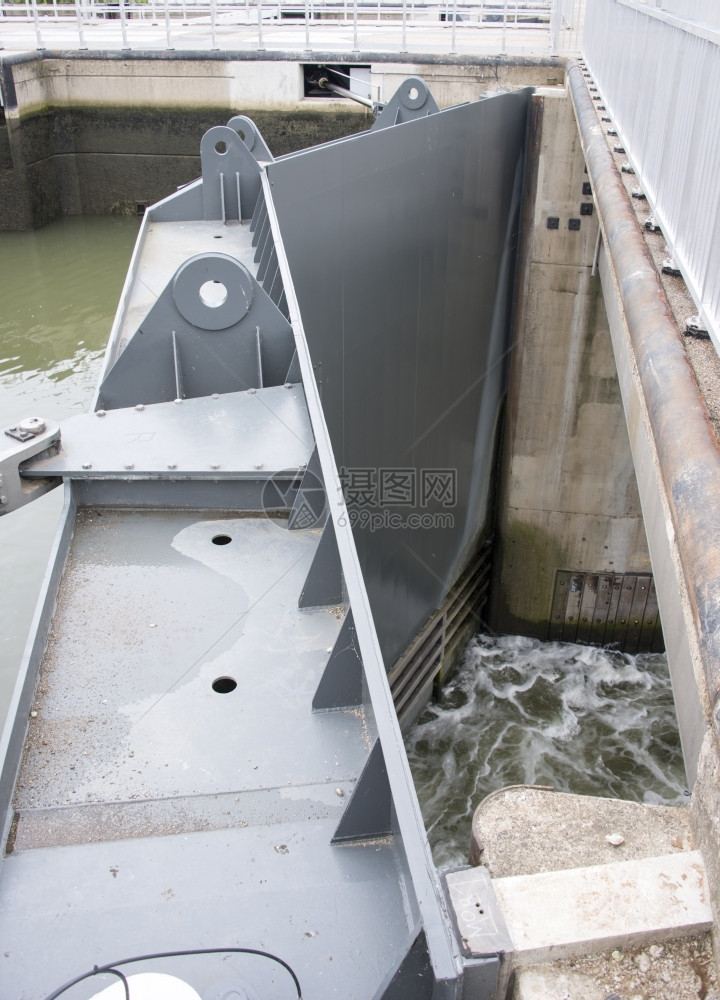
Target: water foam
(520,711)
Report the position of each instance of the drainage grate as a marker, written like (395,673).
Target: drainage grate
(436,646)
(607,609)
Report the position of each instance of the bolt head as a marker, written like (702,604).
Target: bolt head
(140,407)
(129,465)
(100,413)
(177,401)
(87,465)
(172,465)
(32,425)
(214,465)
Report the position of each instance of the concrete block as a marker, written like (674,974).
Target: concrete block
(571,913)
(523,830)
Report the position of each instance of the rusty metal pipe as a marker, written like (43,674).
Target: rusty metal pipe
(686,443)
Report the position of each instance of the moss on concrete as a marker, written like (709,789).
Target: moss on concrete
(526,560)
(90,160)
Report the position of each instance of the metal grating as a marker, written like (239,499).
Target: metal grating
(606,609)
(436,646)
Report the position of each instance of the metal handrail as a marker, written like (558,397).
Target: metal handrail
(499,20)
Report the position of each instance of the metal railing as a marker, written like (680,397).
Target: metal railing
(660,80)
(542,26)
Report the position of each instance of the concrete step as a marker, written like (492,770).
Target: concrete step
(601,898)
(563,914)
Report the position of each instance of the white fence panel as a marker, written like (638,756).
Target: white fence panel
(661,83)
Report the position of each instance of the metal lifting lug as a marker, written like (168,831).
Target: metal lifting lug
(28,439)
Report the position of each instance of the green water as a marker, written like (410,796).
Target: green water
(59,288)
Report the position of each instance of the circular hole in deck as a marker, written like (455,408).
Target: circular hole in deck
(224,685)
(213,294)
(221,539)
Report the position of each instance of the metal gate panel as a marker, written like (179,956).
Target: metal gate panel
(401,244)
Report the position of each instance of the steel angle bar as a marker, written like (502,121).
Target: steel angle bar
(441,941)
(12,738)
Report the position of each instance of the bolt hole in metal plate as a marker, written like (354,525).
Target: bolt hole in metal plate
(221,147)
(213,293)
(221,539)
(224,685)
(191,283)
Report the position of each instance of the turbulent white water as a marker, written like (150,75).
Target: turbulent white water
(520,711)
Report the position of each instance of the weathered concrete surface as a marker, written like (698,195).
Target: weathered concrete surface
(568,497)
(577,911)
(274,83)
(156,82)
(676,970)
(523,830)
(107,160)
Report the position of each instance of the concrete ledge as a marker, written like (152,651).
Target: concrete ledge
(557,915)
(522,830)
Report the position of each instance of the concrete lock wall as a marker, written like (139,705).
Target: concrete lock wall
(102,136)
(568,496)
(91,134)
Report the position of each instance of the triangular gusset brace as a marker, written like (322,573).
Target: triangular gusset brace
(341,683)
(368,814)
(310,507)
(231,176)
(324,583)
(411,100)
(252,137)
(294,375)
(413,975)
